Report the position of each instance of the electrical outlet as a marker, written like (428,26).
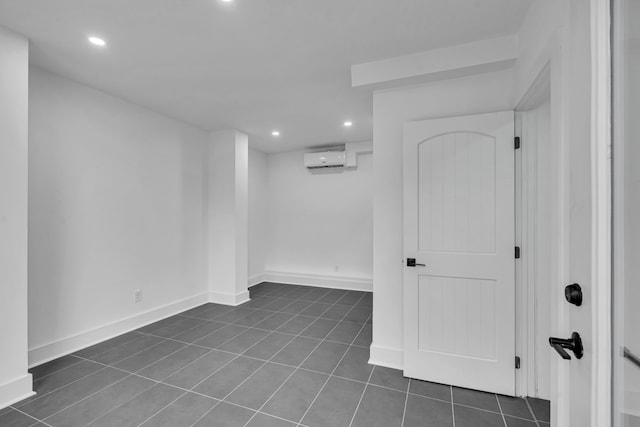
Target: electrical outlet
(137,296)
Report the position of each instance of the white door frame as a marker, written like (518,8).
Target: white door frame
(557,58)
(526,219)
(601,204)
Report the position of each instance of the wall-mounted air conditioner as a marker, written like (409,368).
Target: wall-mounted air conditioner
(325,159)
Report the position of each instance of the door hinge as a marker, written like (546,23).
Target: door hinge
(517,362)
(517,252)
(516,142)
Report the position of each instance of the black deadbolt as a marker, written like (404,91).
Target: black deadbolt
(573,294)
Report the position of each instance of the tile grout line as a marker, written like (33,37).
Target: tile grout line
(332,372)
(406,401)
(98,391)
(535,417)
(353,417)
(453,411)
(37,420)
(504,420)
(318,345)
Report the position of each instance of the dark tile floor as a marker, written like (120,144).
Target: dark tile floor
(292,356)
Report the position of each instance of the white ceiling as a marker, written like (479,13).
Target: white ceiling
(252,65)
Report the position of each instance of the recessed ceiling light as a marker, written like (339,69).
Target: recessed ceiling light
(348,124)
(97,41)
(226,1)
(275,133)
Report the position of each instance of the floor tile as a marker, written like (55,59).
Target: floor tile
(541,409)
(296,395)
(364,338)
(315,309)
(274,322)
(140,408)
(191,375)
(62,378)
(258,388)
(13,418)
(235,314)
(51,403)
(433,390)
(278,304)
(147,357)
(380,407)
(98,404)
(515,406)
(200,331)
(355,365)
(351,298)
(126,350)
(476,399)
(108,345)
(163,323)
(254,318)
(344,332)
(424,412)
(53,366)
(262,420)
(335,405)
(296,325)
(183,412)
(320,328)
(224,381)
(326,357)
(269,346)
(221,336)
(390,378)
(260,302)
(178,327)
(336,312)
(357,315)
(172,363)
(296,306)
(518,422)
(470,417)
(296,351)
(226,415)
(243,341)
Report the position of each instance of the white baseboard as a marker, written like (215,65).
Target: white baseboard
(16,390)
(386,356)
(254,280)
(229,299)
(334,282)
(47,352)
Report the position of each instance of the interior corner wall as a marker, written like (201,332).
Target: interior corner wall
(477,94)
(116,205)
(258,216)
(15,381)
(320,229)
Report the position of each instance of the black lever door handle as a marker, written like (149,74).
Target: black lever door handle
(573,344)
(411,262)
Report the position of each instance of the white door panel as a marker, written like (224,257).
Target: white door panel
(459,222)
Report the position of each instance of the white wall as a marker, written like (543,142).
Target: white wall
(477,94)
(15,382)
(116,205)
(320,225)
(258,215)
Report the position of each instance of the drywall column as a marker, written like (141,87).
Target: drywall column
(15,381)
(228,217)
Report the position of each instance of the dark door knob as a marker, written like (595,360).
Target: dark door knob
(573,344)
(573,294)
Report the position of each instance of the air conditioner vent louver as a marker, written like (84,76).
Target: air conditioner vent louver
(325,159)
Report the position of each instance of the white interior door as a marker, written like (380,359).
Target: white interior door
(459,308)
